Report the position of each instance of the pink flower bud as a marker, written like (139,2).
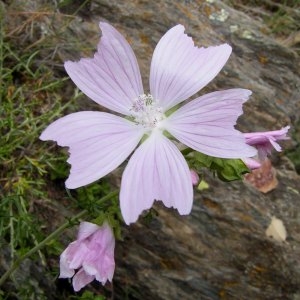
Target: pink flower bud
(92,255)
(251,163)
(194,176)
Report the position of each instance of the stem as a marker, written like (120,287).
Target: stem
(12,231)
(50,237)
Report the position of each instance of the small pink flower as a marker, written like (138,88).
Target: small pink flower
(92,255)
(194,176)
(266,141)
(251,163)
(99,142)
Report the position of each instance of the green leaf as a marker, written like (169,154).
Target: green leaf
(226,169)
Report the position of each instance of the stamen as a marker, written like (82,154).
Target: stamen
(146,111)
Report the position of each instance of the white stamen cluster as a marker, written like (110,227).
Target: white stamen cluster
(146,111)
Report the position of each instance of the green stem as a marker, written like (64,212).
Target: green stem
(50,237)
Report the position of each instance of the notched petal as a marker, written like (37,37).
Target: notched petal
(156,171)
(179,69)
(112,77)
(206,124)
(98,143)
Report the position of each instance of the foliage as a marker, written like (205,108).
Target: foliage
(30,98)
(87,295)
(225,169)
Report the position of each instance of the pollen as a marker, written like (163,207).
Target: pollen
(146,111)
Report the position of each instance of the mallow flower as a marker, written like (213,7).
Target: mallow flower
(91,255)
(266,141)
(99,141)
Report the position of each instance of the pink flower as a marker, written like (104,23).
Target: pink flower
(99,142)
(266,141)
(92,254)
(194,176)
(251,163)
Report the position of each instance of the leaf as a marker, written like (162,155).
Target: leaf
(276,230)
(226,169)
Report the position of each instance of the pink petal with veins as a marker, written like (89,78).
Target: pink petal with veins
(156,171)
(179,69)
(206,124)
(112,77)
(98,143)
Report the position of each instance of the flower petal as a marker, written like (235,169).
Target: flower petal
(98,143)
(276,146)
(156,171)
(100,262)
(81,279)
(112,77)
(256,138)
(251,163)
(64,263)
(79,256)
(86,229)
(105,238)
(266,141)
(206,124)
(107,269)
(179,69)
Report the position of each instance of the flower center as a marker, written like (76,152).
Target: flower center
(146,111)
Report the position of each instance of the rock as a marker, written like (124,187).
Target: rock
(220,251)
